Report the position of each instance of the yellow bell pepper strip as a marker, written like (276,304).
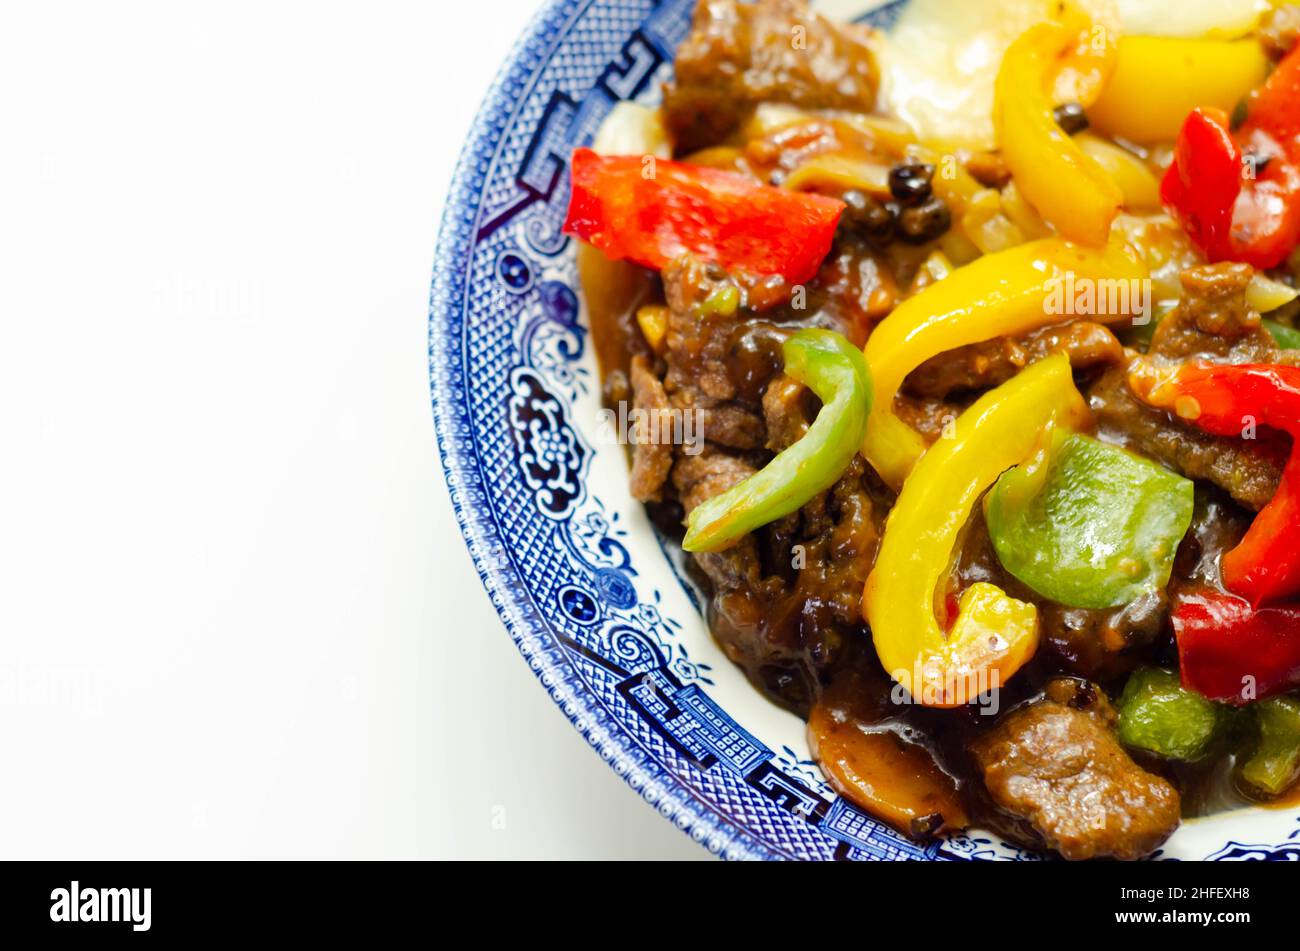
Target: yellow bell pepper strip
(834,369)
(1083,70)
(1069,189)
(999,294)
(993,635)
(1137,183)
(1158,80)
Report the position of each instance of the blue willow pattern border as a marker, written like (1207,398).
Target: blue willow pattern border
(506,356)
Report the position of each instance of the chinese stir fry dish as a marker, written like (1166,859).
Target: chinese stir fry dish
(962,360)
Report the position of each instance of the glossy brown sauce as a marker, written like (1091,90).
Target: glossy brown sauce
(612,293)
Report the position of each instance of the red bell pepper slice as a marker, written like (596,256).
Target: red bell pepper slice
(1204,180)
(1230,651)
(1234,210)
(1226,400)
(652,211)
(1275,106)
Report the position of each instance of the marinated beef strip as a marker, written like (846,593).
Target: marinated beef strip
(652,451)
(1058,764)
(1248,474)
(785,600)
(993,362)
(1218,526)
(740,54)
(785,412)
(1212,322)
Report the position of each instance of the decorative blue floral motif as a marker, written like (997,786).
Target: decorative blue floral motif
(554,349)
(514,272)
(803,769)
(616,588)
(594,540)
(550,455)
(975,848)
(1288,851)
(559,304)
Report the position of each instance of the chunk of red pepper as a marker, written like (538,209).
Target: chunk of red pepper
(652,211)
(1238,193)
(1230,651)
(1232,400)
(1204,180)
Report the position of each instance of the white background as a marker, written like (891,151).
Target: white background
(236,616)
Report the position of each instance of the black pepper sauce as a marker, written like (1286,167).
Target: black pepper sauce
(613,292)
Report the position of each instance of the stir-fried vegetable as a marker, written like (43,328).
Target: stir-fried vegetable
(1004,293)
(1265,294)
(993,635)
(1204,180)
(1274,766)
(1230,400)
(652,211)
(1159,716)
(1236,188)
(1088,525)
(1230,651)
(833,369)
(1158,80)
(1068,188)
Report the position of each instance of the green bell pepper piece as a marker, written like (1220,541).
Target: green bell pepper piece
(835,370)
(1156,714)
(1288,338)
(1086,524)
(1275,764)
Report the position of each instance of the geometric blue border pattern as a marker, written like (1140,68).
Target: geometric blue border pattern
(506,362)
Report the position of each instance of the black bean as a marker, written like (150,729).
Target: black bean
(909,182)
(1071,118)
(867,219)
(924,222)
